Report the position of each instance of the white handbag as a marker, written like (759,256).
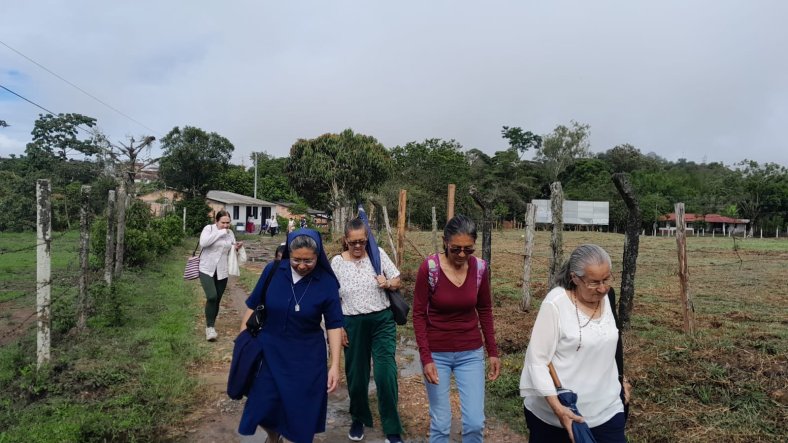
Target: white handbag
(232,263)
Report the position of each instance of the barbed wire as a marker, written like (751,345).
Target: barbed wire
(33,246)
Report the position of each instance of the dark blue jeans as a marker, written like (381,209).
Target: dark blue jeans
(611,431)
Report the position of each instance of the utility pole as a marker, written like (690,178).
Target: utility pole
(254,155)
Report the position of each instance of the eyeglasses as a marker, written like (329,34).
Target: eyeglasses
(468,250)
(301,261)
(356,243)
(596,284)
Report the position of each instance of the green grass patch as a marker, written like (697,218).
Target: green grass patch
(124,379)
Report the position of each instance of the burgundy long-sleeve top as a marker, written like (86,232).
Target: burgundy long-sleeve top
(448,320)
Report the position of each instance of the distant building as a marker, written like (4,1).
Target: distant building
(319,218)
(710,222)
(575,212)
(240,207)
(161,202)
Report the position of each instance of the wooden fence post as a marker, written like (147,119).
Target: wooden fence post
(434,231)
(403,207)
(120,244)
(450,202)
(686,298)
(557,237)
(530,216)
(486,226)
(184,218)
(631,246)
(109,251)
(43,270)
(84,248)
(394,250)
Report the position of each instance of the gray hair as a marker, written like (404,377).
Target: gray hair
(582,257)
(302,241)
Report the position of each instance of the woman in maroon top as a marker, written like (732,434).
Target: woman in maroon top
(451,300)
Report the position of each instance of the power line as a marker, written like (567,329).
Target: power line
(77,87)
(28,100)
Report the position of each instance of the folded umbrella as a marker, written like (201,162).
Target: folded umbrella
(580,431)
(372,245)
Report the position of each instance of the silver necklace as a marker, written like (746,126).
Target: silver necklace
(579,326)
(298,301)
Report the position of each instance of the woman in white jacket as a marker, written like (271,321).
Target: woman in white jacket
(216,241)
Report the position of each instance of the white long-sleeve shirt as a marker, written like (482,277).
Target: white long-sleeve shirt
(215,244)
(590,372)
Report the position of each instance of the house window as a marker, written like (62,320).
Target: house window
(254,212)
(236,212)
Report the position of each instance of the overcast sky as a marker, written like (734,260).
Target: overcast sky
(701,80)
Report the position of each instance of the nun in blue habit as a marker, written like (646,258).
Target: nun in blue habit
(288,397)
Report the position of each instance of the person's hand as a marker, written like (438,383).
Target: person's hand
(495,368)
(382,282)
(345,341)
(567,418)
(333,379)
(238,245)
(627,391)
(431,373)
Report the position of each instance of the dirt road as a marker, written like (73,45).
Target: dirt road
(217,418)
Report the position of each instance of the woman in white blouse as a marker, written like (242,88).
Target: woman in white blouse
(216,240)
(575,331)
(370,332)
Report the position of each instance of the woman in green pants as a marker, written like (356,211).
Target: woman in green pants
(370,333)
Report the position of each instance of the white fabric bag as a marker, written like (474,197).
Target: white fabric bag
(241,255)
(232,263)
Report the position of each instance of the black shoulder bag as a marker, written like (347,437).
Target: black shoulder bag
(256,321)
(611,296)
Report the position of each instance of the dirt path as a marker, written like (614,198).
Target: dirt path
(217,418)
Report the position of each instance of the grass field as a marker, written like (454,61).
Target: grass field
(125,379)
(726,384)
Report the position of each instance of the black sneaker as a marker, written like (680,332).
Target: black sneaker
(356,431)
(393,438)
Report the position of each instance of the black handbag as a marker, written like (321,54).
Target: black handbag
(256,321)
(399,307)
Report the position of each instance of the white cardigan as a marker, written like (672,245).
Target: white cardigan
(215,244)
(590,372)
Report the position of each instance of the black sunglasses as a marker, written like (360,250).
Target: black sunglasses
(468,250)
(357,243)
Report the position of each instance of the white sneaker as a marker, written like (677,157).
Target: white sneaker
(210,334)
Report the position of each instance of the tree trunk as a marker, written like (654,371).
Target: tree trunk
(557,238)
(434,231)
(84,246)
(530,216)
(486,206)
(631,247)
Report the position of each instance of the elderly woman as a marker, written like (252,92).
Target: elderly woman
(452,312)
(289,395)
(370,332)
(575,331)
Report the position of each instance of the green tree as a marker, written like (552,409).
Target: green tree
(764,193)
(234,178)
(191,157)
(562,147)
(521,141)
(272,182)
(334,170)
(58,136)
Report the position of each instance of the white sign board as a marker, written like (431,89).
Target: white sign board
(575,212)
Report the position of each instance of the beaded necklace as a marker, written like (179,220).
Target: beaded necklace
(579,326)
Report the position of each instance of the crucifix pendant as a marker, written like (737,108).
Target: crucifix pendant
(297,307)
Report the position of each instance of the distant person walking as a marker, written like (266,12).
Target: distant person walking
(216,241)
(290,225)
(303,222)
(273,225)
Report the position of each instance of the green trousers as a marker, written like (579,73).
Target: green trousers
(214,289)
(372,336)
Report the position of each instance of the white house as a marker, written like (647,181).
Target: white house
(240,208)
